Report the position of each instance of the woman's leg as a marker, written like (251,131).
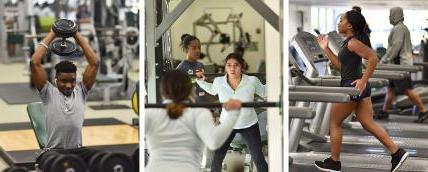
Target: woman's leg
(252,137)
(338,113)
(364,112)
(220,153)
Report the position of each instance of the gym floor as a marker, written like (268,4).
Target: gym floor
(16,73)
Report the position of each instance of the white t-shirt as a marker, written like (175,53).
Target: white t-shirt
(178,144)
(247,88)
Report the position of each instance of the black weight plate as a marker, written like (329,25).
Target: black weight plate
(88,154)
(115,162)
(48,163)
(16,169)
(94,161)
(63,47)
(136,159)
(47,159)
(66,163)
(65,28)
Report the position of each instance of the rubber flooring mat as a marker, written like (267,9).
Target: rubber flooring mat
(107,107)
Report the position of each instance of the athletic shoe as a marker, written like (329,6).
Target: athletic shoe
(381,115)
(328,165)
(421,117)
(398,158)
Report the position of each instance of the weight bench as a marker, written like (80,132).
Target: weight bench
(36,114)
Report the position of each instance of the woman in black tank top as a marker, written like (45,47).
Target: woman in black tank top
(355,48)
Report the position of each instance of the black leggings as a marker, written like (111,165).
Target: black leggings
(251,136)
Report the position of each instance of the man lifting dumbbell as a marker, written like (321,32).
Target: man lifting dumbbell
(64,100)
(64,106)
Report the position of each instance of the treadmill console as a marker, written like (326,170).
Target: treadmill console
(310,43)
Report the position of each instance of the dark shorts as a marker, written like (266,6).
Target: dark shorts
(13,38)
(401,85)
(366,92)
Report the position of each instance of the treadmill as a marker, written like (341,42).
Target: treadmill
(357,155)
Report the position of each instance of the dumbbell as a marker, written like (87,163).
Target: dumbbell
(53,161)
(110,162)
(16,169)
(64,29)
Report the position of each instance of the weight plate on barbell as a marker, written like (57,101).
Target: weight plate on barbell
(136,158)
(47,159)
(135,101)
(94,161)
(115,162)
(67,163)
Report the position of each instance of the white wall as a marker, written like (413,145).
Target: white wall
(251,21)
(325,18)
(294,19)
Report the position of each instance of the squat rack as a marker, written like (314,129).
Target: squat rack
(158,21)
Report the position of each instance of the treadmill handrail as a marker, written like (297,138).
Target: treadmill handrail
(389,74)
(347,90)
(423,64)
(301,112)
(334,81)
(319,97)
(394,67)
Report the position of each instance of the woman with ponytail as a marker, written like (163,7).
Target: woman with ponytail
(355,47)
(176,136)
(191,45)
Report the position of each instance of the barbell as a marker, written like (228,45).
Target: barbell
(219,105)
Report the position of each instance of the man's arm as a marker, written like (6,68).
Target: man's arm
(37,71)
(91,70)
(394,46)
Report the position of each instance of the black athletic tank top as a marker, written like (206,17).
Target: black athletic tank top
(350,61)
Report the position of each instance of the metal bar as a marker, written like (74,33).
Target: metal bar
(171,18)
(219,105)
(268,14)
(222,74)
(3,50)
(150,49)
(159,54)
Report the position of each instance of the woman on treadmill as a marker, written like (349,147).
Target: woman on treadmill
(355,47)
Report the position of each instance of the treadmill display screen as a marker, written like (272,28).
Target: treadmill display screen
(295,57)
(312,45)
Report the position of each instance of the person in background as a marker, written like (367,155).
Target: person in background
(399,51)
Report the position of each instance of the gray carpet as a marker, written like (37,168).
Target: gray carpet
(21,93)
(18,93)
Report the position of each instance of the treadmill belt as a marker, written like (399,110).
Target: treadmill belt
(303,168)
(367,149)
(391,133)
